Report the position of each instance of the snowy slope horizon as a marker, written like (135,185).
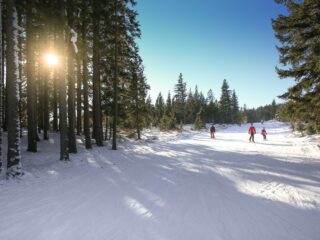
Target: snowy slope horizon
(180,186)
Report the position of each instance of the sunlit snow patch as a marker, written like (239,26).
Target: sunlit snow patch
(137,207)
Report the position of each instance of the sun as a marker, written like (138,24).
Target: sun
(51,59)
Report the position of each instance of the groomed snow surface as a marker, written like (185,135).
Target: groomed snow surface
(177,186)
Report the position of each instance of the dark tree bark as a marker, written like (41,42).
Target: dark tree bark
(64,152)
(79,97)
(2,73)
(115,84)
(14,167)
(55,102)
(31,96)
(1,88)
(71,83)
(85,84)
(97,118)
(46,110)
(20,40)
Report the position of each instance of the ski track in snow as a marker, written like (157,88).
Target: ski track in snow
(176,186)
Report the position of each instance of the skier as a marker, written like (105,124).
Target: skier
(264,134)
(252,131)
(212,131)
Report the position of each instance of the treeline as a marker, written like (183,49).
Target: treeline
(298,32)
(186,107)
(264,113)
(69,66)
(192,107)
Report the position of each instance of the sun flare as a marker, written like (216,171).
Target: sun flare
(51,59)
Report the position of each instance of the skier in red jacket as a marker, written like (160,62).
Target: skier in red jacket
(212,131)
(264,134)
(252,132)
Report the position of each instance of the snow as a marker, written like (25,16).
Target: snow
(74,39)
(176,185)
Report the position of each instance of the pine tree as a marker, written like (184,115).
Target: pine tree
(160,108)
(137,93)
(180,100)
(14,167)
(211,112)
(225,103)
(298,33)
(235,108)
(168,105)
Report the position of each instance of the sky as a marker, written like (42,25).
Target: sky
(208,41)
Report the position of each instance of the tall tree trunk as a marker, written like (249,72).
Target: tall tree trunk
(20,39)
(45,79)
(97,119)
(71,83)
(5,119)
(64,152)
(85,87)
(106,126)
(14,157)
(71,104)
(1,90)
(2,74)
(115,84)
(31,97)
(55,102)
(46,109)
(79,97)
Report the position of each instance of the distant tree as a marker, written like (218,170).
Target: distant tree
(198,123)
(168,105)
(180,100)
(235,108)
(225,103)
(211,112)
(160,108)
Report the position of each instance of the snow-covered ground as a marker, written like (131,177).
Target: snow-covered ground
(178,186)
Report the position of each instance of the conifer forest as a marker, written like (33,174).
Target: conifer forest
(89,151)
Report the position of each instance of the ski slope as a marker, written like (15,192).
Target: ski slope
(178,186)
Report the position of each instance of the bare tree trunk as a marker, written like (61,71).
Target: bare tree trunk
(1,90)
(97,119)
(79,97)
(106,126)
(2,74)
(64,152)
(71,83)
(31,97)
(55,102)
(20,39)
(46,110)
(14,157)
(85,88)
(115,84)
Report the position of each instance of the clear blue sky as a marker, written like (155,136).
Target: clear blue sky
(208,41)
